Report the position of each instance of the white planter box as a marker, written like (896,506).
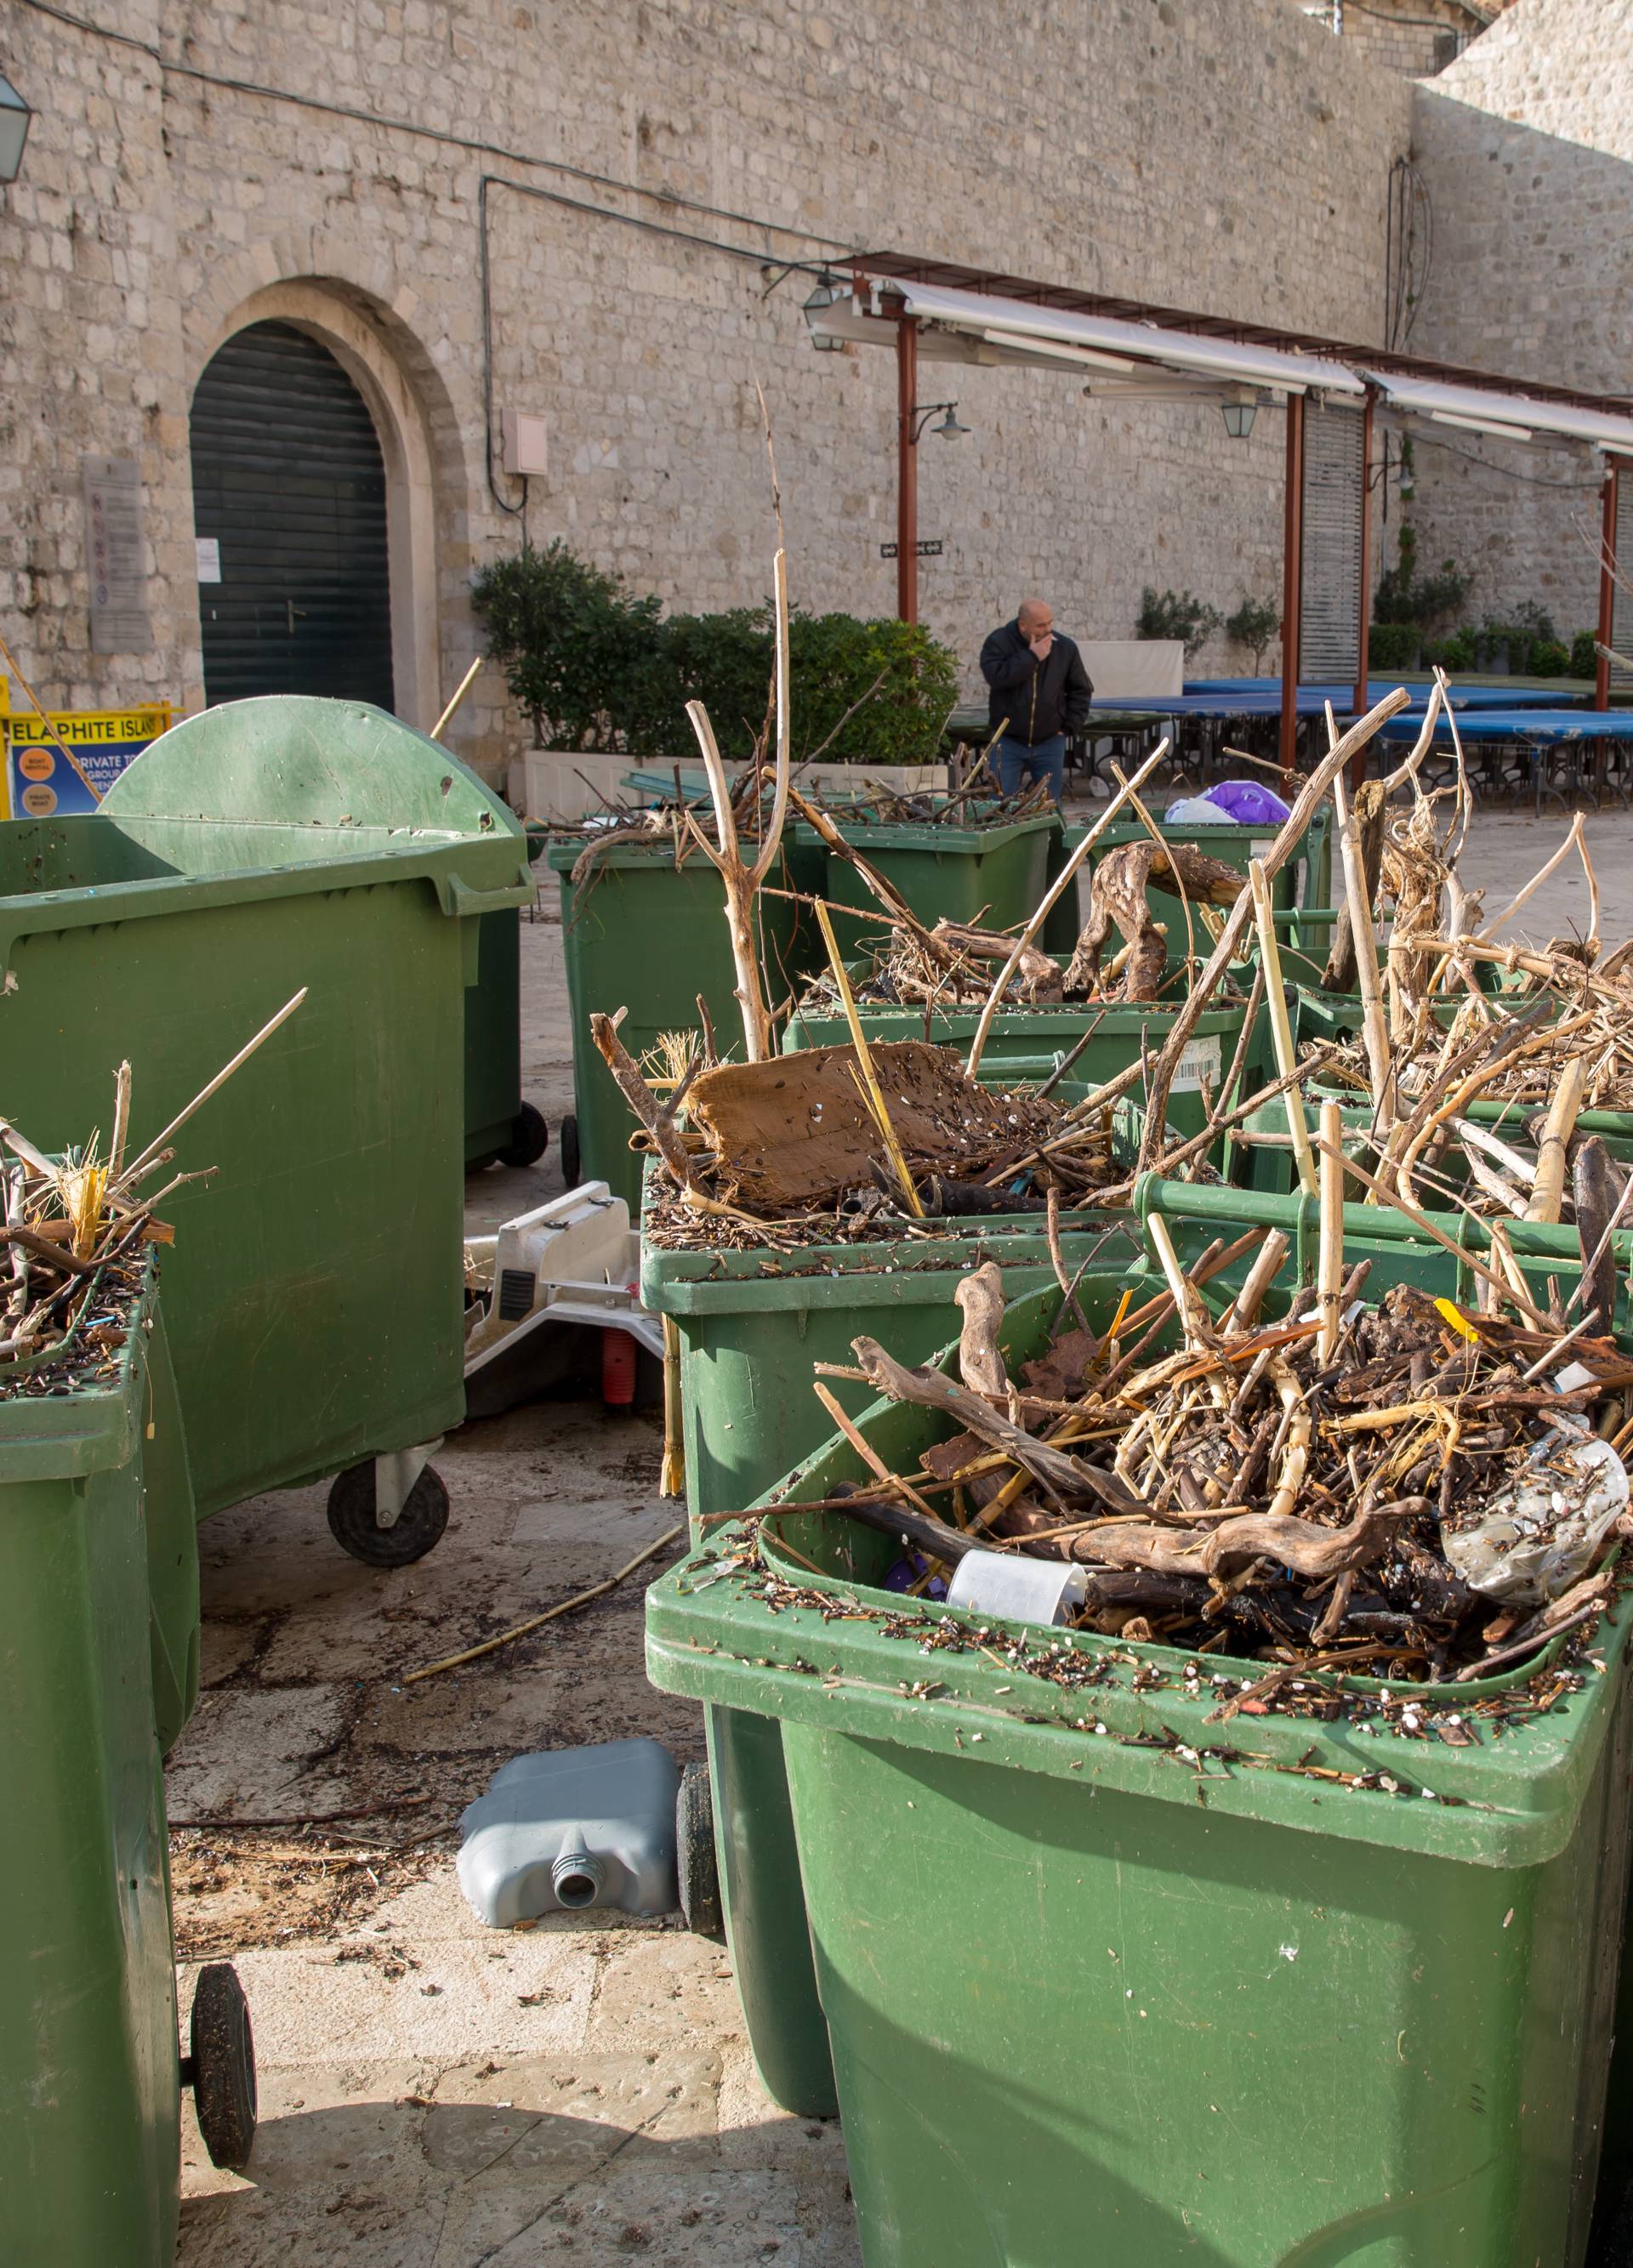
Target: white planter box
(550,784)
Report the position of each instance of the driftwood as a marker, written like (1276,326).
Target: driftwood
(1339,975)
(1118,895)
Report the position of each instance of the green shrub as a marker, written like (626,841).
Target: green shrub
(578,652)
(1583,656)
(1253,624)
(1176,614)
(1550,658)
(1393,645)
(593,667)
(1403,595)
(1454,654)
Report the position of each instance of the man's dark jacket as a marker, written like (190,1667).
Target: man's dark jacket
(1039,698)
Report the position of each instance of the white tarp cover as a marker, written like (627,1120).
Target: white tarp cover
(1228,360)
(1426,395)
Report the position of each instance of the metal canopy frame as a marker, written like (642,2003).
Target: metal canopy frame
(1374,366)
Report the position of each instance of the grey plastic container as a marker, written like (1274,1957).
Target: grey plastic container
(564,1831)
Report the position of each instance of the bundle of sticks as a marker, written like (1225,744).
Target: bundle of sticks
(72,1232)
(1397,1488)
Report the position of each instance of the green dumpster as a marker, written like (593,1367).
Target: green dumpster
(99,1608)
(1107,1979)
(996,870)
(500,1127)
(644,933)
(314,1294)
(749,1325)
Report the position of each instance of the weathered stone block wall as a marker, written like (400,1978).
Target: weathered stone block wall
(1229,156)
(1533,274)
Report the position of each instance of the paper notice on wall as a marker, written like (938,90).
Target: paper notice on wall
(207,548)
(1198,1067)
(114,556)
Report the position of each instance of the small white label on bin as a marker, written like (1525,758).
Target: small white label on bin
(1199,1061)
(1260,843)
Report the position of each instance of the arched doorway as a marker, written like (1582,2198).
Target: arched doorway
(289,485)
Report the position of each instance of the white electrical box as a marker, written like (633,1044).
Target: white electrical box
(526,442)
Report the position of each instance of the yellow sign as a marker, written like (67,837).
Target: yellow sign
(41,783)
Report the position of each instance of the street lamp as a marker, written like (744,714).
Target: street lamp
(14,117)
(1238,417)
(828,291)
(949,429)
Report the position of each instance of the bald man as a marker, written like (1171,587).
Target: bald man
(1040,693)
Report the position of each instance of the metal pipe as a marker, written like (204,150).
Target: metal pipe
(1607,585)
(907,470)
(1357,769)
(1292,586)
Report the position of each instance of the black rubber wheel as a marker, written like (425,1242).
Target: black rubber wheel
(694,1853)
(567,1141)
(529,1139)
(418,1526)
(224,2066)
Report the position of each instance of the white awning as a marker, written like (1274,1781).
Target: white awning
(1514,416)
(1013,326)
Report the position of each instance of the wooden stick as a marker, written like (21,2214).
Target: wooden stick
(638,1095)
(122,1124)
(1242,1312)
(1330,1256)
(672,1481)
(1572,842)
(1365,939)
(1066,874)
(218,1082)
(866,1451)
(1309,799)
(1548,1189)
(463,687)
(1281,1031)
(535,1622)
(756,1034)
(1438,1236)
(870,1085)
(1193,1314)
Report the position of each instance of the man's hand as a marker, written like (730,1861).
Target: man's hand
(1042,645)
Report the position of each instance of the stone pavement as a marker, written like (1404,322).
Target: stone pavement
(435,2094)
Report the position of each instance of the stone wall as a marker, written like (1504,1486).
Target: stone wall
(1229,156)
(1415,38)
(1533,274)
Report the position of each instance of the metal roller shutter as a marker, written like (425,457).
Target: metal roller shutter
(1622,605)
(287,476)
(1329,644)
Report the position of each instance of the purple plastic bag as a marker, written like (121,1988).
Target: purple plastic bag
(1248,804)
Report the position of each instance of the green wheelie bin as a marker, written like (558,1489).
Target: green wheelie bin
(644,932)
(1107,1980)
(99,1668)
(995,869)
(747,1326)
(501,1127)
(314,1291)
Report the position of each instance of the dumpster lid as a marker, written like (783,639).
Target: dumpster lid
(292,759)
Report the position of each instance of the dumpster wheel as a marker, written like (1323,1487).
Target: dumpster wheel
(417,1528)
(221,2069)
(568,1143)
(529,1139)
(695,1861)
